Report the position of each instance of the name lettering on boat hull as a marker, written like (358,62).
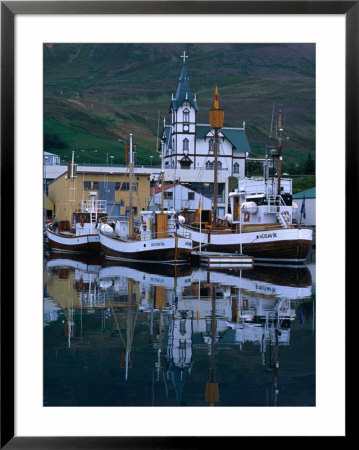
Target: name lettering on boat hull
(266,235)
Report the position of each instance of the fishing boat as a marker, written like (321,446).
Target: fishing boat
(261,220)
(81,233)
(152,239)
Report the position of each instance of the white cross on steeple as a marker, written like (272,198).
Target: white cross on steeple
(184,57)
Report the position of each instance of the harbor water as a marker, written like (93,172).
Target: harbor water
(118,334)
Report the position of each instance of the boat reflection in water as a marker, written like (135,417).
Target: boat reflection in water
(120,335)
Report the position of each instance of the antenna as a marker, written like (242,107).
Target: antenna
(271,125)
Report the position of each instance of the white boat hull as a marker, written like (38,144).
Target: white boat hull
(278,245)
(170,249)
(73,243)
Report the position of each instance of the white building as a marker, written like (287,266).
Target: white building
(308,196)
(50,159)
(187,148)
(177,197)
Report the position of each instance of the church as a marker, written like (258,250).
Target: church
(187,147)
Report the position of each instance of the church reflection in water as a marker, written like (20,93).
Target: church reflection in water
(127,335)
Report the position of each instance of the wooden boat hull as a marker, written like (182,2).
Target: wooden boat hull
(293,250)
(287,246)
(73,244)
(169,249)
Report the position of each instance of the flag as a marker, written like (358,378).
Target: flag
(216,98)
(302,209)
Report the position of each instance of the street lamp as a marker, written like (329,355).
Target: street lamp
(151,159)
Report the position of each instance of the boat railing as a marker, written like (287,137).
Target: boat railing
(96,206)
(206,228)
(274,202)
(138,234)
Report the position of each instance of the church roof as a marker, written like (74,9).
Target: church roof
(183,91)
(236,136)
(202,131)
(167,133)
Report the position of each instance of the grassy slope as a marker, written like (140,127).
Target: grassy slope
(97,94)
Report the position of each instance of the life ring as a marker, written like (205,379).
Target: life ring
(286,216)
(82,221)
(246,217)
(144,226)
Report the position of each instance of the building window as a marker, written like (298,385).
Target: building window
(236,168)
(211,145)
(209,165)
(90,185)
(190,195)
(125,186)
(185,145)
(186,115)
(134,211)
(219,165)
(169,195)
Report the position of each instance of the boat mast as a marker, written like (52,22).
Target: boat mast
(131,188)
(216,118)
(280,129)
(162,189)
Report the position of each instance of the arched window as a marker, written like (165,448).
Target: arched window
(219,165)
(235,167)
(186,115)
(185,145)
(209,165)
(211,145)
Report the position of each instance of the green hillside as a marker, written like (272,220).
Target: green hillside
(96,94)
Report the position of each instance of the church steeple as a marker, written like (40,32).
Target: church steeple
(184,92)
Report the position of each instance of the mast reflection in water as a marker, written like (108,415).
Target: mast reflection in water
(124,335)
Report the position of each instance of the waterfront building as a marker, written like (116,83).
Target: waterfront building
(308,197)
(177,197)
(113,187)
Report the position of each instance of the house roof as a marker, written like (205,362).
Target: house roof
(308,193)
(176,186)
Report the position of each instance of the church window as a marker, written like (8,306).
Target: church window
(209,165)
(186,115)
(235,167)
(211,145)
(185,144)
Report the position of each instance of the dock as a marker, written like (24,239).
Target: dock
(217,260)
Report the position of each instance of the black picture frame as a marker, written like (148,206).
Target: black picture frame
(9,9)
